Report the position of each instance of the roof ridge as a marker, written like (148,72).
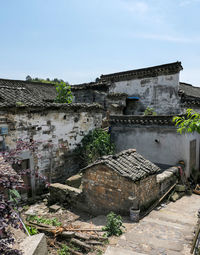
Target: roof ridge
(26,82)
(169,68)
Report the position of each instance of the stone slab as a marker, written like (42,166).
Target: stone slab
(54,208)
(34,245)
(120,251)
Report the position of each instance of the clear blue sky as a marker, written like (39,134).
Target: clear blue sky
(78,40)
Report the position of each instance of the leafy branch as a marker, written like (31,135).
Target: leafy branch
(188,123)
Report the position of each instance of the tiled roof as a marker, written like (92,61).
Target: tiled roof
(188,90)
(166,69)
(117,95)
(129,164)
(141,120)
(7,174)
(23,94)
(27,93)
(91,85)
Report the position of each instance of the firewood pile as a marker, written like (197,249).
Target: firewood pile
(83,238)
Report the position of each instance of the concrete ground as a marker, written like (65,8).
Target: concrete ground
(168,231)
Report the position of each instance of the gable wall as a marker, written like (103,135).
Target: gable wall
(160,93)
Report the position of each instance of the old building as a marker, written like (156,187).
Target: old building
(28,115)
(156,87)
(113,182)
(156,138)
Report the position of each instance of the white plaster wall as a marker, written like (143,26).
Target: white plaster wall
(172,147)
(159,92)
(56,134)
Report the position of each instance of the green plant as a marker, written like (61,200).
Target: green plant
(94,145)
(64,250)
(188,123)
(53,222)
(149,111)
(32,230)
(20,104)
(99,252)
(114,225)
(64,94)
(14,196)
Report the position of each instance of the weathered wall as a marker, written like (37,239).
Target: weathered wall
(160,144)
(160,93)
(57,133)
(112,103)
(105,191)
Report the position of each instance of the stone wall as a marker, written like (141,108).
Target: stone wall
(114,102)
(105,191)
(57,132)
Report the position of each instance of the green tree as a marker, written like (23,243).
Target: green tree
(64,94)
(28,78)
(188,123)
(95,145)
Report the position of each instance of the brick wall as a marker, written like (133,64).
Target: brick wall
(106,191)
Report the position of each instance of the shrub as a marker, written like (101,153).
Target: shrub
(64,94)
(94,145)
(114,225)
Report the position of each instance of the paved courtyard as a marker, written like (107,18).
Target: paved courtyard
(168,231)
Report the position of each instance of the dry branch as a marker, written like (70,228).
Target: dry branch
(81,244)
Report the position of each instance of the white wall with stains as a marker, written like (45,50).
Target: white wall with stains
(160,93)
(56,133)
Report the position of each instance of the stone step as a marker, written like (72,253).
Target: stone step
(120,251)
(163,222)
(174,217)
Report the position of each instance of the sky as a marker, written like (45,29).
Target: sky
(78,40)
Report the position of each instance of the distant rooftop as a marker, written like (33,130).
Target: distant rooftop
(153,71)
(22,94)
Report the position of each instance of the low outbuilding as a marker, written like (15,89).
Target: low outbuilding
(115,182)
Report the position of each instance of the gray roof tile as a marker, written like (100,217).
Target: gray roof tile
(22,94)
(129,164)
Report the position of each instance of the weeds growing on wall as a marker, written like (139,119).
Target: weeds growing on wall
(149,112)
(95,145)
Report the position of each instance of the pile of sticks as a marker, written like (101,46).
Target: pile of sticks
(84,238)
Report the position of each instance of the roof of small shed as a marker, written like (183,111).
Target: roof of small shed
(129,164)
